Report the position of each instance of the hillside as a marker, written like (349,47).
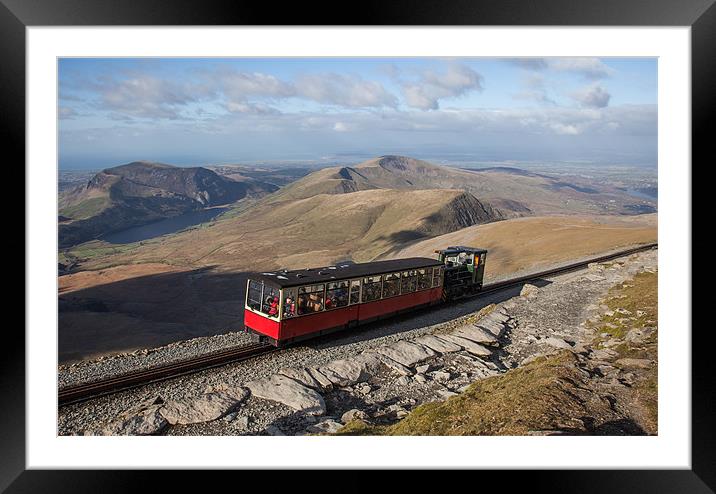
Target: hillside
(316,230)
(142,192)
(510,192)
(523,243)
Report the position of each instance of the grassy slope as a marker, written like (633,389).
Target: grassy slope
(541,395)
(524,243)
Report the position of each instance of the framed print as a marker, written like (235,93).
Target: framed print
(435,229)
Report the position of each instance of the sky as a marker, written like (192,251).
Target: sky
(242,110)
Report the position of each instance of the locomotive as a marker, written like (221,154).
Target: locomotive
(284,306)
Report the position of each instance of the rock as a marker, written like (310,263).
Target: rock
(623,311)
(401,414)
(354,414)
(323,381)
(287,391)
(344,372)
(422,369)
(476,334)
(241,423)
(436,344)
(407,353)
(403,381)
(444,393)
(528,289)
(557,342)
(594,277)
(420,378)
(205,407)
(302,376)
(468,345)
(369,362)
(464,388)
(441,376)
(396,366)
(141,420)
(363,389)
(329,426)
(272,430)
(640,313)
(495,328)
(634,363)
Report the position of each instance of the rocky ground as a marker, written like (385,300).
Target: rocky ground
(382,372)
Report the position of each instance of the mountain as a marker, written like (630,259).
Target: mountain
(142,192)
(511,192)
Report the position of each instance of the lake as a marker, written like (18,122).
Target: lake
(163,227)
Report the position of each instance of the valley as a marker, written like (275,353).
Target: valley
(168,286)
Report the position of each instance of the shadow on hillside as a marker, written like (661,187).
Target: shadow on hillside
(159,309)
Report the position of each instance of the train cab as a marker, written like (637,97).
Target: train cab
(464,270)
(286,306)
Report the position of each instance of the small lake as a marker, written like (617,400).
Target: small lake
(163,227)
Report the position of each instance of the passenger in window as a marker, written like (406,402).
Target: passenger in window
(273,307)
(289,307)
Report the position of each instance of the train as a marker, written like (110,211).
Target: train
(283,307)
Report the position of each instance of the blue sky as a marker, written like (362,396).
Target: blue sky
(202,111)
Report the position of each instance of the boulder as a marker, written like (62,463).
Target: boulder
(437,345)
(422,369)
(403,381)
(329,426)
(407,353)
(557,342)
(469,345)
(302,376)
(396,366)
(634,363)
(289,392)
(206,407)
(344,372)
(441,376)
(495,328)
(369,362)
(141,420)
(353,414)
(476,334)
(324,383)
(528,289)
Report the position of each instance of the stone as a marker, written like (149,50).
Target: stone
(302,376)
(288,392)
(344,372)
(363,389)
(469,345)
(602,354)
(557,342)
(441,376)
(407,353)
(396,366)
(141,420)
(323,381)
(437,345)
(495,328)
(272,430)
(369,362)
(203,408)
(444,393)
(419,378)
(402,381)
(528,289)
(329,426)
(422,369)
(634,363)
(594,277)
(241,423)
(476,334)
(354,414)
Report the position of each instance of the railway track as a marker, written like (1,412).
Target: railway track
(86,391)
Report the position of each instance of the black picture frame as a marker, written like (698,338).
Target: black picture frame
(700,15)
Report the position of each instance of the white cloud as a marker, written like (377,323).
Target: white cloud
(343,90)
(588,67)
(592,96)
(431,87)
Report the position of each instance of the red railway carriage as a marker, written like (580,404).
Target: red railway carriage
(287,306)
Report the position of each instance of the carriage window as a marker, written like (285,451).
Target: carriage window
(408,281)
(355,292)
(310,299)
(391,285)
(438,276)
(336,294)
(424,278)
(271,300)
(289,302)
(371,288)
(253,294)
